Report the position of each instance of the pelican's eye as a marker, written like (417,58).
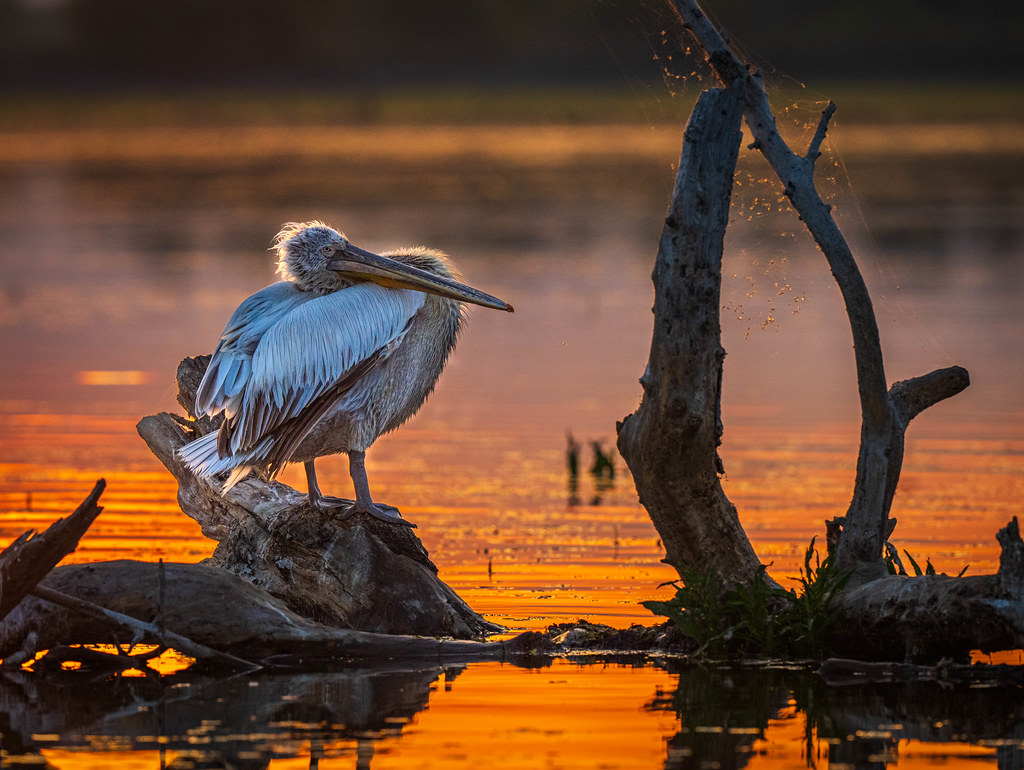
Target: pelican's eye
(328,251)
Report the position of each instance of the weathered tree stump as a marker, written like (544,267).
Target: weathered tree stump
(859,537)
(671,442)
(359,573)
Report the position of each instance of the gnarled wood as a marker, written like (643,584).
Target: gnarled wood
(140,629)
(862,532)
(879,617)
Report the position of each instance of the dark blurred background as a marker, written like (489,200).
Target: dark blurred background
(357,43)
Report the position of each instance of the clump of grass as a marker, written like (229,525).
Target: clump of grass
(812,617)
(698,611)
(760,620)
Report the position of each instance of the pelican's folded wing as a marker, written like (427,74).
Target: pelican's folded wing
(231,365)
(314,347)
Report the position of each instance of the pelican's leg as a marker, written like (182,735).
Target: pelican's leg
(315,497)
(364,503)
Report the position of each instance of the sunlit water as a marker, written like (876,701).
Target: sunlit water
(125,253)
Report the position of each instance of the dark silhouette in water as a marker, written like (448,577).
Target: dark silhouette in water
(572,460)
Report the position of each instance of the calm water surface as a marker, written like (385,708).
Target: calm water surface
(124,253)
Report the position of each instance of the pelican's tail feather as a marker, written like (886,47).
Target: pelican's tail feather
(201,457)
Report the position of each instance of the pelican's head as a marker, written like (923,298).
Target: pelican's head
(318,258)
(304,253)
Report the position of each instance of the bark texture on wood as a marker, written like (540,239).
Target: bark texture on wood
(884,412)
(27,560)
(137,629)
(359,573)
(212,607)
(671,442)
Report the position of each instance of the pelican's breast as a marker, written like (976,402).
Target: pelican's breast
(394,390)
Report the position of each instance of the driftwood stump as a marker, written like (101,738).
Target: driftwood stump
(359,573)
(27,560)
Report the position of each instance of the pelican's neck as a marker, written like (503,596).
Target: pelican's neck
(316,278)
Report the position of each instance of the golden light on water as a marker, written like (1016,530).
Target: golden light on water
(546,717)
(124,377)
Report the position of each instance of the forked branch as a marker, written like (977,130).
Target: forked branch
(884,413)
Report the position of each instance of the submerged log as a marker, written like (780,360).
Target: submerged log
(359,573)
(213,608)
(930,617)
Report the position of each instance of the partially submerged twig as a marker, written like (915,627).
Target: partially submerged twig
(97,660)
(140,628)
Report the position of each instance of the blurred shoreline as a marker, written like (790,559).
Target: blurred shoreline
(859,102)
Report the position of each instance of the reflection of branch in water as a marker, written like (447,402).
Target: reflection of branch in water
(241,721)
(602,471)
(604,465)
(721,714)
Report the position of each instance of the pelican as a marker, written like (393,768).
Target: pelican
(346,347)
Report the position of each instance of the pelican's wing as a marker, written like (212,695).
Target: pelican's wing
(317,345)
(231,365)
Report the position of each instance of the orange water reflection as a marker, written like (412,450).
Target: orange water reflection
(507,538)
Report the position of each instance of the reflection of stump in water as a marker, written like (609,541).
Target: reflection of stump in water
(723,712)
(359,573)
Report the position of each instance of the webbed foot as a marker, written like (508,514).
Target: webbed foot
(386,513)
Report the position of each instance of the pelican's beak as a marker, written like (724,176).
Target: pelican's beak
(392,273)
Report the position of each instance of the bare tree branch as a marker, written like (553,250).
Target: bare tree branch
(814,150)
(29,558)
